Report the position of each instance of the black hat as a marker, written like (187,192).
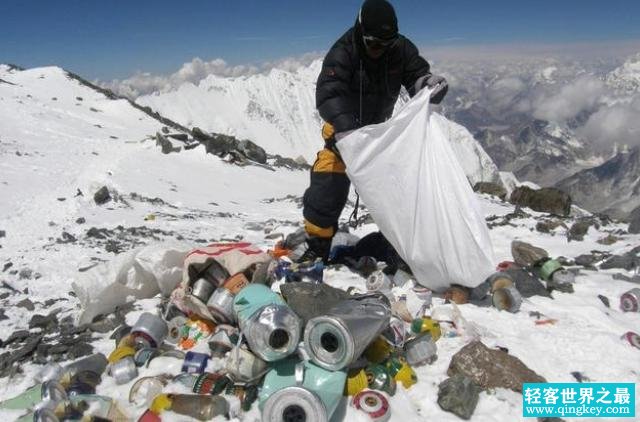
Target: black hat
(378,19)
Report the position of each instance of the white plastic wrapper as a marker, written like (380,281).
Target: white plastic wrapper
(407,174)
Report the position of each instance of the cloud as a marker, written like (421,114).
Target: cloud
(615,124)
(582,94)
(144,83)
(505,90)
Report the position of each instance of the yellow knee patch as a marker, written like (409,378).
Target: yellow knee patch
(328,131)
(313,230)
(328,162)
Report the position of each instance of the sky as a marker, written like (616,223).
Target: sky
(115,39)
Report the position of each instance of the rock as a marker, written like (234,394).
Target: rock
(102,196)
(3,233)
(178,136)
(604,300)
(585,260)
(252,151)
(199,134)
(219,144)
(165,129)
(551,200)
(527,284)
(26,304)
(634,221)
(458,395)
(25,274)
(81,220)
(44,322)
(3,317)
(608,240)
(547,226)
(580,228)
(66,238)
(165,144)
(78,350)
(491,189)
(527,255)
(490,368)
(626,262)
(97,233)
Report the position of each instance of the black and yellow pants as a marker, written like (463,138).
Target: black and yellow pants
(327,194)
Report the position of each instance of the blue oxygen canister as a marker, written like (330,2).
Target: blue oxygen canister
(271,328)
(299,390)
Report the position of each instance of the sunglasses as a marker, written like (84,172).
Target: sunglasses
(376,43)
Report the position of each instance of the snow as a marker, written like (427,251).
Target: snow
(61,150)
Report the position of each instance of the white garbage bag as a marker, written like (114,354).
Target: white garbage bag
(417,193)
(137,274)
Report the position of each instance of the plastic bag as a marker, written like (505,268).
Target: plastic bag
(407,174)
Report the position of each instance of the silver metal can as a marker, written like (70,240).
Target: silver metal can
(507,299)
(124,370)
(220,305)
(337,339)
(150,330)
(273,332)
(202,289)
(294,404)
(378,282)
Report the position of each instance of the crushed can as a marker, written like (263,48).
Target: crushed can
(149,331)
(426,324)
(378,281)
(395,334)
(300,391)
(356,381)
(374,404)
(402,372)
(244,367)
(197,406)
(421,350)
(507,299)
(176,329)
(296,272)
(144,390)
(220,344)
(195,363)
(220,305)
(457,294)
(338,338)
(630,301)
(271,328)
(379,378)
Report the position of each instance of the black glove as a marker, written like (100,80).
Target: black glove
(437,83)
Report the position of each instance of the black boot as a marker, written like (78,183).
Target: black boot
(317,247)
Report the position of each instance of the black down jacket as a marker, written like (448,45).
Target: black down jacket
(354,90)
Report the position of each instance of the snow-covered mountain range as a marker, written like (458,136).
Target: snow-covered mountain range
(277,111)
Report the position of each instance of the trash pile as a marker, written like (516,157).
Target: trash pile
(255,329)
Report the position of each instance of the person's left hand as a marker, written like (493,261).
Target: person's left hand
(439,86)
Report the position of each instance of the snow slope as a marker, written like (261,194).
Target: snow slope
(196,198)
